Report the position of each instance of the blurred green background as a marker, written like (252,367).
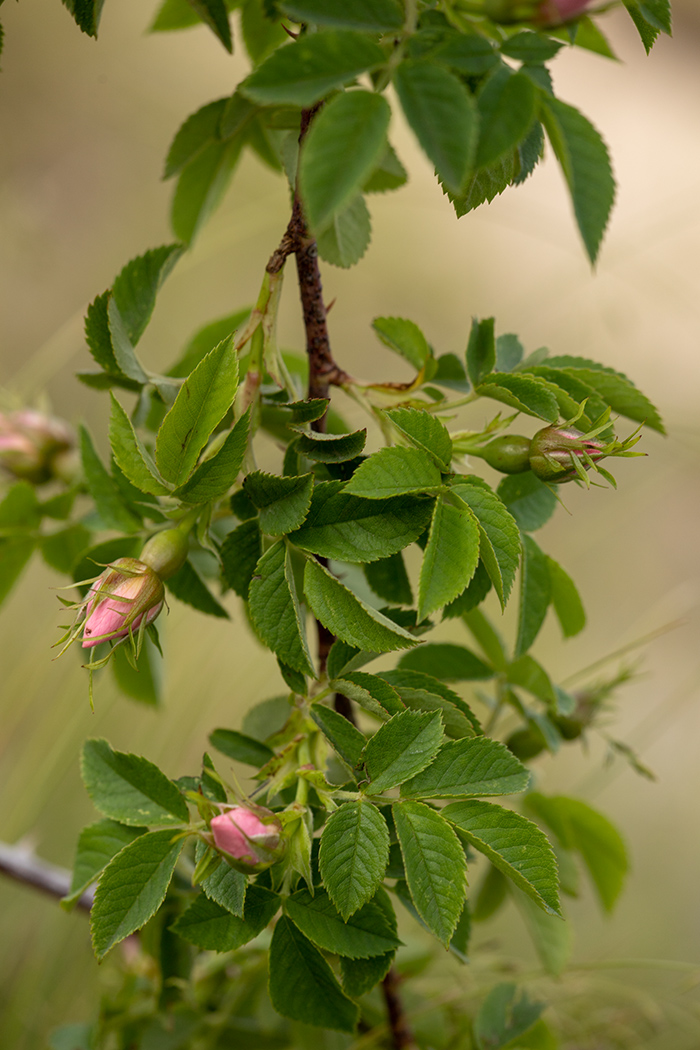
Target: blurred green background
(85,128)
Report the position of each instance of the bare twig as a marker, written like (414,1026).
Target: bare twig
(20,863)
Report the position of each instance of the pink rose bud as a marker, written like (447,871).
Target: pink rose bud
(551,450)
(252,838)
(555,12)
(30,443)
(125,593)
(542,13)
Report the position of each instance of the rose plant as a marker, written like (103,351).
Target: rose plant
(373,776)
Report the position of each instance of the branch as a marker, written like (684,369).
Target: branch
(21,864)
(401,1034)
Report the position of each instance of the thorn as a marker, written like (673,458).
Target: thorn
(289,32)
(331,304)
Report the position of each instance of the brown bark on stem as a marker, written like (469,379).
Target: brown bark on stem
(324,373)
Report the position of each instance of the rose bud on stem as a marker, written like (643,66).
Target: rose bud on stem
(127,597)
(251,839)
(556,453)
(34,446)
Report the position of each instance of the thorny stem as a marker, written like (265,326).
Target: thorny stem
(324,373)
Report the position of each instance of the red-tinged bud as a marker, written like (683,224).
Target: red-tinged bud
(556,12)
(31,443)
(509,453)
(166,552)
(250,838)
(122,596)
(552,448)
(542,13)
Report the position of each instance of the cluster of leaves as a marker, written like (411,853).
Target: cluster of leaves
(368,546)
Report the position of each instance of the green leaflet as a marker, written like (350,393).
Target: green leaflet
(308,70)
(551,938)
(404,338)
(346,238)
(349,528)
(365,934)
(348,741)
(260,35)
(370,692)
(504,1016)
(442,115)
(462,768)
(212,927)
(509,352)
(97,844)
(240,748)
(198,131)
(129,788)
(214,476)
(347,617)
(215,14)
(354,854)
(205,397)
(426,432)
(613,387)
(131,456)
(507,106)
(522,392)
(513,844)
(104,490)
(650,17)
(435,864)
(205,339)
(451,556)
(274,609)
(535,595)
(86,14)
(481,349)
(528,673)
(132,888)
(581,828)
(302,985)
(143,683)
(500,538)
(566,600)
(188,586)
(201,186)
(395,472)
(372,16)
(484,185)
(227,887)
(340,152)
(527,46)
(135,288)
(423,692)
(585,163)
(14,555)
(331,448)
(283,502)
(61,549)
(240,553)
(389,580)
(389,174)
(528,499)
(447,662)
(400,748)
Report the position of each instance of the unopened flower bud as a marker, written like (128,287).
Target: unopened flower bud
(165,553)
(543,13)
(551,450)
(509,453)
(30,443)
(556,12)
(122,596)
(251,839)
